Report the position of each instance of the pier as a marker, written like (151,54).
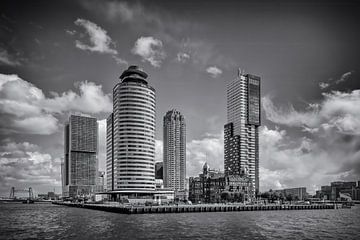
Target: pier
(195,208)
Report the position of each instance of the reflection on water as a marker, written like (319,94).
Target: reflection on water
(46,221)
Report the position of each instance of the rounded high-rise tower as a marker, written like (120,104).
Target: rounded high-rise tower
(134,133)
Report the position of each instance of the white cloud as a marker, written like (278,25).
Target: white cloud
(149,49)
(119,60)
(23,165)
(209,149)
(329,152)
(338,110)
(100,41)
(7,59)
(70,32)
(344,77)
(323,85)
(25,109)
(182,57)
(214,71)
(287,161)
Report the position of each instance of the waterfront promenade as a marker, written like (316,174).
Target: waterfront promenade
(195,208)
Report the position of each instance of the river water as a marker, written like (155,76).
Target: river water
(47,221)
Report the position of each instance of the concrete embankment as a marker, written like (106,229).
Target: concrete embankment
(194,208)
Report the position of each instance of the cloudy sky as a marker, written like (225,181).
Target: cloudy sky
(61,58)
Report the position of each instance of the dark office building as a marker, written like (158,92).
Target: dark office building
(241,135)
(80,160)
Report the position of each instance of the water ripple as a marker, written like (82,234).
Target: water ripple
(46,221)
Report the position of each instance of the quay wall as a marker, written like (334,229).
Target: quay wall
(195,208)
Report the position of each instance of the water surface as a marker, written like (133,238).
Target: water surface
(47,221)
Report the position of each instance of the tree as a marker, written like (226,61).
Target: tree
(225,196)
(289,197)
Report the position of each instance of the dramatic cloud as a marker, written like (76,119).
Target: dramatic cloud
(7,59)
(23,165)
(214,71)
(332,82)
(100,41)
(328,151)
(338,110)
(286,161)
(149,49)
(173,32)
(182,57)
(25,109)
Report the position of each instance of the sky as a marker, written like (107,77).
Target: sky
(61,58)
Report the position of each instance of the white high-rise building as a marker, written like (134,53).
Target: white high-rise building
(241,135)
(130,141)
(174,166)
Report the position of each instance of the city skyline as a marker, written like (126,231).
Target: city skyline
(62,58)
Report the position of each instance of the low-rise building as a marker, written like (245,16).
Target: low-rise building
(341,187)
(213,186)
(294,193)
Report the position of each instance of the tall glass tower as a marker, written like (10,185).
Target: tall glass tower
(174,151)
(131,135)
(241,135)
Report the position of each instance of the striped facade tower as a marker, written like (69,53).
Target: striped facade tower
(174,169)
(131,135)
(241,135)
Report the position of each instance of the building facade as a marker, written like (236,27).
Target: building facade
(131,135)
(295,193)
(341,187)
(80,156)
(174,165)
(241,134)
(213,186)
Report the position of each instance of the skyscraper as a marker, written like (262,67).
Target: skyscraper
(80,160)
(174,151)
(241,135)
(131,135)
